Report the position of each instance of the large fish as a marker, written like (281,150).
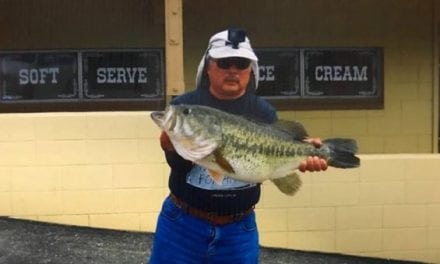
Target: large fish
(227,144)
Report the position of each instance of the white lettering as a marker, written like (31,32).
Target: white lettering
(347,74)
(100,75)
(111,75)
(337,76)
(327,73)
(54,72)
(142,75)
(33,76)
(43,74)
(341,73)
(37,75)
(360,76)
(23,76)
(131,74)
(318,73)
(121,75)
(267,73)
(270,73)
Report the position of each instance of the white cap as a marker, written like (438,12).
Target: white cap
(230,43)
(220,46)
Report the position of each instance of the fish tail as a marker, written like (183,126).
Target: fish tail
(342,153)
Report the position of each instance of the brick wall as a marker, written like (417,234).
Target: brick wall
(390,208)
(97,169)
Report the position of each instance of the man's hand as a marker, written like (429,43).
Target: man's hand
(165,142)
(313,163)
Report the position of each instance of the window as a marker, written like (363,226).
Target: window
(81,80)
(321,78)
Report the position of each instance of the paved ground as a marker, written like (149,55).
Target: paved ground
(28,242)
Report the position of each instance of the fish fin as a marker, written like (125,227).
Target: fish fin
(222,162)
(289,184)
(342,153)
(294,128)
(216,176)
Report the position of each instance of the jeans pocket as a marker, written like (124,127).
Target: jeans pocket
(248,223)
(171,211)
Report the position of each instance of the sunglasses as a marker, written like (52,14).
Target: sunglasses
(239,63)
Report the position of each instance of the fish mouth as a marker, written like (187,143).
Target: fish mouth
(158,117)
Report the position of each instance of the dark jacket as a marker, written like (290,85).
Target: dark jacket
(190,183)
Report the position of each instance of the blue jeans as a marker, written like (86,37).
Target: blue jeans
(182,238)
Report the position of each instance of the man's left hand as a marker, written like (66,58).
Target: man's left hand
(313,163)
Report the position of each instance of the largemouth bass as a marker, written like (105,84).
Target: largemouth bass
(231,145)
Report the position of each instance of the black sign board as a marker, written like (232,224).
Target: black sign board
(332,72)
(279,71)
(290,78)
(123,74)
(39,76)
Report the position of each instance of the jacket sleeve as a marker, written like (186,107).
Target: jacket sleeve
(267,112)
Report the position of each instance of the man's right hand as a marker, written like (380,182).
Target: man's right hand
(313,163)
(165,142)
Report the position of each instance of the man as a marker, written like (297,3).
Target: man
(201,221)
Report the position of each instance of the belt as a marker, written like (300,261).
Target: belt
(211,217)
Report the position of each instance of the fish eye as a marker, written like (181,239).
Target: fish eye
(186,111)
